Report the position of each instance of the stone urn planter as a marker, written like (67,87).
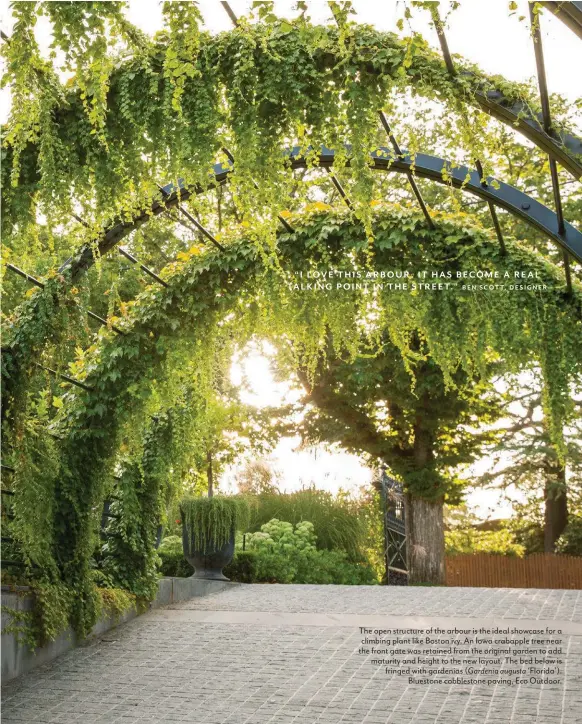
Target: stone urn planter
(207,559)
(208,532)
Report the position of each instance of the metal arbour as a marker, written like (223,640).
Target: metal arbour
(496,194)
(545,118)
(430,167)
(559,146)
(562,147)
(422,165)
(394,525)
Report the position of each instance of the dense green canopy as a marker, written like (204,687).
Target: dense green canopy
(141,111)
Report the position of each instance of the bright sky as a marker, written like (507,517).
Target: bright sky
(328,469)
(480,30)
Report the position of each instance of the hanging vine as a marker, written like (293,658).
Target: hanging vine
(167,110)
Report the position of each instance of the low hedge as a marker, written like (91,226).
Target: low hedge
(254,567)
(243,567)
(317,567)
(172,561)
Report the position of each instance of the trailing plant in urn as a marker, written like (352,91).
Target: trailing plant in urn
(208,529)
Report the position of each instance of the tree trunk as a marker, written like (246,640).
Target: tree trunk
(425,540)
(556,505)
(425,535)
(210,474)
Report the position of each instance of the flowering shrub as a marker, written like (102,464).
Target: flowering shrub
(283,553)
(278,535)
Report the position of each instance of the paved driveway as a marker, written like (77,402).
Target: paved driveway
(290,654)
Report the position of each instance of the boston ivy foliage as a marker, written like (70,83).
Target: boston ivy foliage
(139,111)
(53,315)
(128,557)
(460,330)
(210,522)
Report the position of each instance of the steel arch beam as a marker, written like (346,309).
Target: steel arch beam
(570,13)
(507,197)
(504,196)
(561,146)
(517,114)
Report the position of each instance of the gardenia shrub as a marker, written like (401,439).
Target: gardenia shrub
(283,553)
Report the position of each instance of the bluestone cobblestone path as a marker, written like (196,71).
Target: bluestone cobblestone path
(263,668)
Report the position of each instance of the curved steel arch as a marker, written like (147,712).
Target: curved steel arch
(505,196)
(570,13)
(517,114)
(424,166)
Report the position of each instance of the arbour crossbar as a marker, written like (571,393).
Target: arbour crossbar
(409,175)
(37,283)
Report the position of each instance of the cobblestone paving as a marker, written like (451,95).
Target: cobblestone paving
(478,602)
(156,669)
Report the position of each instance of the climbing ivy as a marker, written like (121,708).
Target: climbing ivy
(239,291)
(128,557)
(210,522)
(139,111)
